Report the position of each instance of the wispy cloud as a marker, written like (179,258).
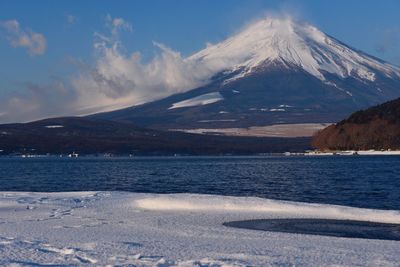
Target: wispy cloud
(115,80)
(71,19)
(37,101)
(116,25)
(389,44)
(390,39)
(36,43)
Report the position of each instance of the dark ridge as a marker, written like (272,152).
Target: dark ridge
(92,136)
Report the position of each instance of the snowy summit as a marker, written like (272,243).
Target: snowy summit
(292,43)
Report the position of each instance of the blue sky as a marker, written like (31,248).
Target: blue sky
(69,27)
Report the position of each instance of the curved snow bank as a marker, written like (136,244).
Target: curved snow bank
(225,204)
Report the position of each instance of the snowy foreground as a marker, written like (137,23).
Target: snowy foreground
(115,228)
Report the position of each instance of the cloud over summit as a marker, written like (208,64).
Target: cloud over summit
(120,79)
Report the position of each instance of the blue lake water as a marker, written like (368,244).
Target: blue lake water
(371,182)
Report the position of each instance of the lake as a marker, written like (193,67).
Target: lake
(368,182)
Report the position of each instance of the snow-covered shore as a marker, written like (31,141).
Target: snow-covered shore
(354,152)
(118,228)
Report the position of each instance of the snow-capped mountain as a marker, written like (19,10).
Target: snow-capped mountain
(274,71)
(291,44)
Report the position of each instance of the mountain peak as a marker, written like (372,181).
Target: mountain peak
(273,72)
(293,44)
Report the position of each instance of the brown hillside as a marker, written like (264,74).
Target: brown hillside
(375,128)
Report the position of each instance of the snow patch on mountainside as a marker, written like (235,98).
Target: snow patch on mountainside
(199,100)
(291,43)
(277,130)
(54,126)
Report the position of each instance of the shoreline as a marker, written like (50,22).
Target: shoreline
(272,154)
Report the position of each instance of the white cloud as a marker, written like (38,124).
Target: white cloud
(119,80)
(117,24)
(35,42)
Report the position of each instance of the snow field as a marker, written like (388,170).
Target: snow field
(117,228)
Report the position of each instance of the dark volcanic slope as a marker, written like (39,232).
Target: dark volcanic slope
(87,136)
(375,128)
(269,96)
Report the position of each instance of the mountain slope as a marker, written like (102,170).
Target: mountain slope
(274,71)
(375,128)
